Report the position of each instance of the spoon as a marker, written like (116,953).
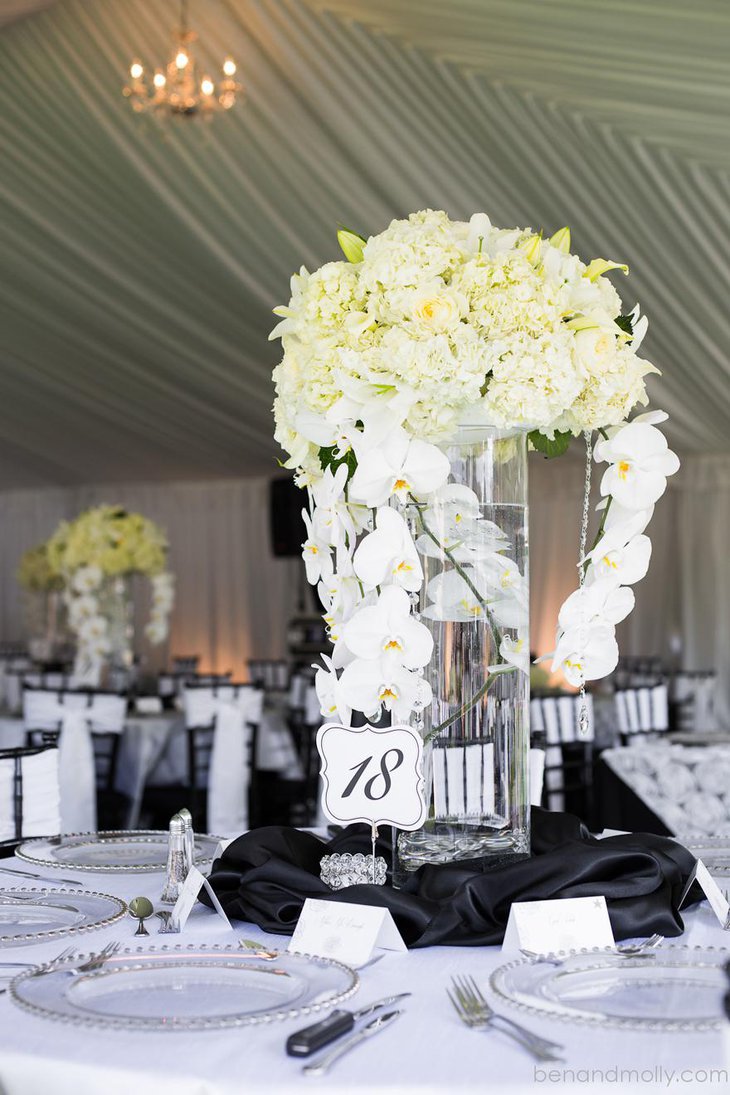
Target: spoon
(141,908)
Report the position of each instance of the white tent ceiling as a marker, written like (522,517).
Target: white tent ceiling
(139,265)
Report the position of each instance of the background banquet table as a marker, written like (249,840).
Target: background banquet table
(426,1051)
(154,750)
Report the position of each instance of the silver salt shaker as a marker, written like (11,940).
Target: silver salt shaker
(176,865)
(189,835)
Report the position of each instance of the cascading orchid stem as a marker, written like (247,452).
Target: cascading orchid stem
(419,507)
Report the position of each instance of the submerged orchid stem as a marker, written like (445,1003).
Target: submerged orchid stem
(472,702)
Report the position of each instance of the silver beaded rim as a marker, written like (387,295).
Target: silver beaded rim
(183,1025)
(142,837)
(74,929)
(721,955)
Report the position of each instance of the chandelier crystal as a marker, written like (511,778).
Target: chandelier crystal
(177,89)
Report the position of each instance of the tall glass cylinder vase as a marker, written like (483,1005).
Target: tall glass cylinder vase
(473,543)
(118,608)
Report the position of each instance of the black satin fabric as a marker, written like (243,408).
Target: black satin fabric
(265,876)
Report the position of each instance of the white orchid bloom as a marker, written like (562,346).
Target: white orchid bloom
(86,579)
(316,553)
(366,684)
(93,629)
(327,686)
(632,520)
(640,463)
(387,629)
(622,563)
(400,467)
(334,520)
(82,608)
(603,602)
(455,596)
(516,651)
(341,596)
(586,653)
(388,555)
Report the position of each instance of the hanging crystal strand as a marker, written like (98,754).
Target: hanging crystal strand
(583,720)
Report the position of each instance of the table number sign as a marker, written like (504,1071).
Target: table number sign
(372,774)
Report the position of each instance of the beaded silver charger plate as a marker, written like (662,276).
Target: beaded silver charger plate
(139,850)
(37,915)
(673,988)
(713,851)
(183,988)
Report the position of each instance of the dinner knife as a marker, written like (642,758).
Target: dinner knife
(323,1063)
(41,877)
(308,1040)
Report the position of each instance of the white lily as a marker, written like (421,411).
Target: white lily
(367,684)
(387,630)
(586,653)
(388,556)
(316,553)
(399,467)
(603,602)
(640,463)
(623,564)
(327,685)
(516,651)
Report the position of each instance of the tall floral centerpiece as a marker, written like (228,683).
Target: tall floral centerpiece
(416,374)
(42,585)
(96,555)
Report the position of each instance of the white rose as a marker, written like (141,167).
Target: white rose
(595,348)
(436,311)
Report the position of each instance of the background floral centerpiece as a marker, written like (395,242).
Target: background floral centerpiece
(43,604)
(428,327)
(96,555)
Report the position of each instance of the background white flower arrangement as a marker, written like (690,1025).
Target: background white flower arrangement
(383,355)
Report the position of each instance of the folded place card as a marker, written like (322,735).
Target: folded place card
(191,887)
(346,932)
(718,902)
(571,923)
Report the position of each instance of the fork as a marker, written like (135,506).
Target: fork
(95,961)
(476,1013)
(625,950)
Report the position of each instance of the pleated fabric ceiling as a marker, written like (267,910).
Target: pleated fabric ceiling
(139,263)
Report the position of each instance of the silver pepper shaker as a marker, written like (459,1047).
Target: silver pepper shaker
(189,834)
(176,865)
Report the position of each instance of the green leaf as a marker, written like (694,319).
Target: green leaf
(624,322)
(548,448)
(328,459)
(352,244)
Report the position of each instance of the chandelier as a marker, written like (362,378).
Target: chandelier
(177,89)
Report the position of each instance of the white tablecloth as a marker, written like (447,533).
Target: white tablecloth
(426,1051)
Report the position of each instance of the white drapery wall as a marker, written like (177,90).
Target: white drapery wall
(703,548)
(233,598)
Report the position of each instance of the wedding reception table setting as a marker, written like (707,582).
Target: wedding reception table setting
(364,601)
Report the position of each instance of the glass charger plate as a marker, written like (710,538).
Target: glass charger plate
(139,850)
(36,915)
(713,851)
(184,988)
(677,988)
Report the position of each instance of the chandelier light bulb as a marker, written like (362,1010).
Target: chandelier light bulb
(181,60)
(159,79)
(136,70)
(207,86)
(229,66)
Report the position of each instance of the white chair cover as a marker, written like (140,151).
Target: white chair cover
(79,714)
(41,795)
(537,773)
(232,709)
